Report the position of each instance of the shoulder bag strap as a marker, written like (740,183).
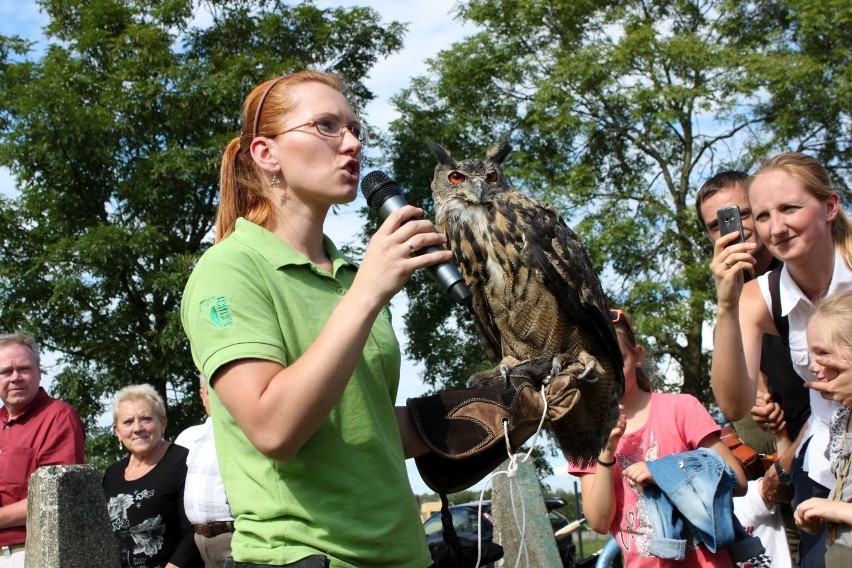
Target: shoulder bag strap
(781,323)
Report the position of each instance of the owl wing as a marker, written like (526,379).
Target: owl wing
(489,335)
(556,251)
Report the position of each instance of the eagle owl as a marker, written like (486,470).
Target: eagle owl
(536,296)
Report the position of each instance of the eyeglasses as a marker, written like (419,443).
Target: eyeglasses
(326,127)
(333,129)
(617,316)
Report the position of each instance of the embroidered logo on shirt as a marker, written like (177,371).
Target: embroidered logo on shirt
(216,312)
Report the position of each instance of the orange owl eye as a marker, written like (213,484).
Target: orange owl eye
(456,177)
(491,177)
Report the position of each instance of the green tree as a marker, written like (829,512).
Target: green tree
(114,133)
(617,111)
(800,52)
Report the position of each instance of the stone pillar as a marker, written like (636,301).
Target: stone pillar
(538,542)
(67,521)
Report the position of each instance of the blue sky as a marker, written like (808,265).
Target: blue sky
(432,28)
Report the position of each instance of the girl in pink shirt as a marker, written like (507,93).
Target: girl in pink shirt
(651,425)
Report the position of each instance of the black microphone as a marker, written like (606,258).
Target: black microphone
(383,195)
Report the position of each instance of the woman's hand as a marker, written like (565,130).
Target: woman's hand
(729,262)
(838,389)
(394,252)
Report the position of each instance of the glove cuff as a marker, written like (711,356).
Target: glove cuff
(464,431)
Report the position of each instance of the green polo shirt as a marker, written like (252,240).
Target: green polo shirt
(346,492)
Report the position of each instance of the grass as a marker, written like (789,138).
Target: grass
(590,545)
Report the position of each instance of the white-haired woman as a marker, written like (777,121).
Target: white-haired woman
(144,491)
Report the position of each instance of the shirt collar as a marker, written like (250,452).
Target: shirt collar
(38,400)
(278,253)
(842,277)
(791,294)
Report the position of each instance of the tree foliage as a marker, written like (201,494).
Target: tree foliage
(799,52)
(113,133)
(617,111)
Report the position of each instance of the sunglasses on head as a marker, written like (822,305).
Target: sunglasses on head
(617,316)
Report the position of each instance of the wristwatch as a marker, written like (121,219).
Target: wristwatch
(785,477)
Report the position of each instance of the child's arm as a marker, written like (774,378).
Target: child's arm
(713,442)
(597,487)
(810,513)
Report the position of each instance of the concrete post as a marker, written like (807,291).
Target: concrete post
(67,521)
(537,542)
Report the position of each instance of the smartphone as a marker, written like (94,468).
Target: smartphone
(729,222)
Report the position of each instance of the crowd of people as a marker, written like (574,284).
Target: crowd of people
(300,368)
(781,366)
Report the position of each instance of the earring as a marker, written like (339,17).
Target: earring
(275,181)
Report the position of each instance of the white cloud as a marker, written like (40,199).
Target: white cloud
(431,27)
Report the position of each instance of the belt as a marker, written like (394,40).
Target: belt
(214,529)
(12,549)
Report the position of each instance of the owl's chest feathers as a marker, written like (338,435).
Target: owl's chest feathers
(481,254)
(490,254)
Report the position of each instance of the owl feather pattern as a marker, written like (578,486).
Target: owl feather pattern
(536,296)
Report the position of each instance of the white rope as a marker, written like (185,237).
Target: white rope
(510,471)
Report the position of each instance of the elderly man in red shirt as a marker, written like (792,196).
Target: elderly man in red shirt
(35,430)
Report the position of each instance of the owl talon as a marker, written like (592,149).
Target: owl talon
(505,369)
(498,376)
(584,361)
(590,366)
(559,364)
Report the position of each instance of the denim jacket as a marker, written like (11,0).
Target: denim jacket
(693,496)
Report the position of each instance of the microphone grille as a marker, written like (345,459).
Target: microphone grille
(378,187)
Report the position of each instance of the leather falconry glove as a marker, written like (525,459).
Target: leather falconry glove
(464,428)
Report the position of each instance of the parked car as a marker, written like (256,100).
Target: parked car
(466,523)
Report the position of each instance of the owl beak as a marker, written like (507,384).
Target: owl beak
(481,190)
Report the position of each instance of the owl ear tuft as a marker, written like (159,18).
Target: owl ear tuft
(498,152)
(441,154)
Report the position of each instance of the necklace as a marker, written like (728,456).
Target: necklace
(144,468)
(838,489)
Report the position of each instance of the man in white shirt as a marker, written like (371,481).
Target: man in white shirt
(205,501)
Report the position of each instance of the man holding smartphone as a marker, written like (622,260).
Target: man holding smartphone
(786,390)
(722,191)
